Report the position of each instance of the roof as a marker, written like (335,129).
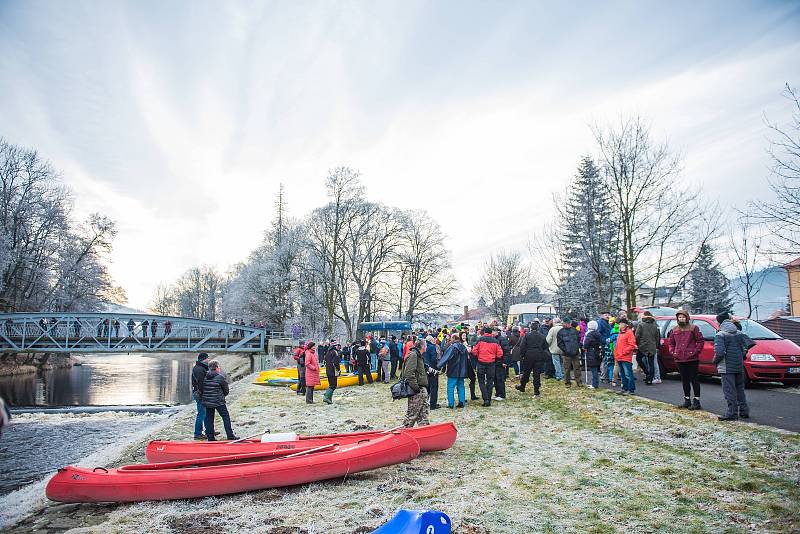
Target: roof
(795,263)
(786,327)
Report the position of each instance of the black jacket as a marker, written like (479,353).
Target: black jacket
(568,341)
(533,347)
(394,350)
(198,377)
(215,389)
(455,360)
(332,362)
(594,345)
(506,346)
(362,355)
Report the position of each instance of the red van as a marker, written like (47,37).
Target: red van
(773,359)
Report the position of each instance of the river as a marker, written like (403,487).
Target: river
(37,444)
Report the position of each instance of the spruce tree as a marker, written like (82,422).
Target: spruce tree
(588,239)
(709,287)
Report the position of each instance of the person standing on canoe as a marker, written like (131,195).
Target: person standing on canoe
(215,389)
(199,372)
(333,361)
(414,373)
(312,371)
(298,354)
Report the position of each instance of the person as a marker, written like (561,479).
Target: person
(373,354)
(501,367)
(624,349)
(144,328)
(167,327)
(685,341)
(394,357)
(312,371)
(613,369)
(472,365)
(299,356)
(555,351)
(414,373)
(199,372)
(116,327)
(569,344)
(455,360)
(430,356)
(154,328)
(593,348)
(730,349)
(384,356)
(362,363)
(215,389)
(648,339)
(514,340)
(488,352)
(534,352)
(131,327)
(333,360)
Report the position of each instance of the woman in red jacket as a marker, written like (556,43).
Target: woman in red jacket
(623,356)
(685,343)
(312,371)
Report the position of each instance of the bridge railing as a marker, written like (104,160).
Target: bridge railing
(109,332)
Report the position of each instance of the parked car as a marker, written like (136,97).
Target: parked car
(657,311)
(772,359)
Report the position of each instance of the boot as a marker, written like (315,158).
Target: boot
(686,403)
(695,404)
(519,387)
(472,395)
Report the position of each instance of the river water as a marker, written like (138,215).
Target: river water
(106,379)
(35,445)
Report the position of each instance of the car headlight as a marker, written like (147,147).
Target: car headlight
(762,358)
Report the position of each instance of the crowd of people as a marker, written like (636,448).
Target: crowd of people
(560,348)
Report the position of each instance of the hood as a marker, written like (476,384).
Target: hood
(204,365)
(684,313)
(649,319)
(728,327)
(211,374)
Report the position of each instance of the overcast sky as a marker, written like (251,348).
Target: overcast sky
(179,119)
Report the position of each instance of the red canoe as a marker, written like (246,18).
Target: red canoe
(431,438)
(220,476)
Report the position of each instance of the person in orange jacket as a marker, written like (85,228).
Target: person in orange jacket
(623,354)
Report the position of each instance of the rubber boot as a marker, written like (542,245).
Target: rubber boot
(695,404)
(687,403)
(328,397)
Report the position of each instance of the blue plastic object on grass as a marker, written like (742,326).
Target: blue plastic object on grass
(416,522)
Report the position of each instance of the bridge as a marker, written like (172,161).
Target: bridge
(119,332)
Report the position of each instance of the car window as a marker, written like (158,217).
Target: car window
(706,329)
(757,331)
(664,325)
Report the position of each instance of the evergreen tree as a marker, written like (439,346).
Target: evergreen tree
(588,240)
(709,287)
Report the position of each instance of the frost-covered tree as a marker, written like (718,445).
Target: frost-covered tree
(708,285)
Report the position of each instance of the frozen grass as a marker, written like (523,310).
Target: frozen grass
(573,461)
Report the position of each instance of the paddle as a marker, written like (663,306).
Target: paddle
(266,431)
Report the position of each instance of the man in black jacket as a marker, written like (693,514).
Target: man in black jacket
(333,360)
(501,368)
(570,345)
(215,389)
(362,363)
(198,377)
(534,351)
(394,353)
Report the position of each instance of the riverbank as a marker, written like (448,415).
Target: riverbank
(573,461)
(25,364)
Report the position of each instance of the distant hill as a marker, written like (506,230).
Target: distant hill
(118,308)
(774,294)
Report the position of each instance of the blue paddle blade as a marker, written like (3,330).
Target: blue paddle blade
(416,522)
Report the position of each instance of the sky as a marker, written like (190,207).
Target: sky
(179,119)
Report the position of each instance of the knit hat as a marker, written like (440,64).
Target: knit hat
(202,357)
(592,325)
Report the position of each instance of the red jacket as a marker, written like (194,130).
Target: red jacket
(685,345)
(312,368)
(488,350)
(625,346)
(297,351)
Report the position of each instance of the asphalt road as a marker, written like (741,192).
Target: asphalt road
(770,404)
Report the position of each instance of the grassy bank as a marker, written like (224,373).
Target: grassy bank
(573,461)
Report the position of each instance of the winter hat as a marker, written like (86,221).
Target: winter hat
(202,357)
(592,325)
(647,313)
(722,317)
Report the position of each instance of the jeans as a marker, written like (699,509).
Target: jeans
(485,372)
(226,421)
(656,370)
(373,358)
(301,379)
(557,365)
(452,384)
(649,372)
(433,389)
(626,376)
(363,369)
(595,376)
(201,415)
(733,389)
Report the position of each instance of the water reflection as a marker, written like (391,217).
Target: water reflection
(107,379)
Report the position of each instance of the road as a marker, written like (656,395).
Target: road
(770,404)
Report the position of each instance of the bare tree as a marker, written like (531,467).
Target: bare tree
(505,275)
(782,215)
(426,280)
(747,260)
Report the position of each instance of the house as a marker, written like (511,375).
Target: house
(793,272)
(787,326)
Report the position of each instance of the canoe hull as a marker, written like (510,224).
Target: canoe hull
(431,438)
(77,484)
